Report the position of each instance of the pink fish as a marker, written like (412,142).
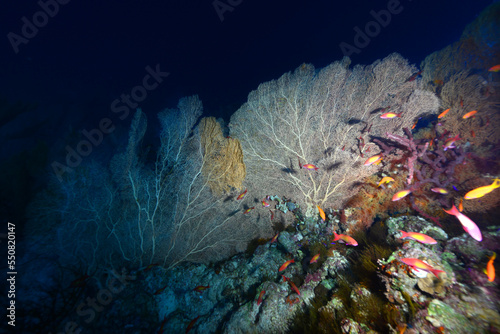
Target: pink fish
(389,115)
(440,191)
(468,225)
(345,238)
(400,194)
(425,239)
(421,265)
(309,167)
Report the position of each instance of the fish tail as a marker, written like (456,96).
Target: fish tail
(496,183)
(452,211)
(335,236)
(404,234)
(436,272)
(494,256)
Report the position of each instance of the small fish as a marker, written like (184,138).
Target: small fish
(422,238)
(201,288)
(400,194)
(344,238)
(79,282)
(461,102)
(441,115)
(438,82)
(468,225)
(240,196)
(495,68)
(490,269)
(374,159)
(321,213)
(292,285)
(265,204)
(389,115)
(161,330)
(414,125)
(472,133)
(314,259)
(151,266)
(481,191)
(461,205)
(309,167)
(283,267)
(275,237)
(449,142)
(160,290)
(261,294)
(421,265)
(469,114)
(385,179)
(248,210)
(414,76)
(272,215)
(191,324)
(440,191)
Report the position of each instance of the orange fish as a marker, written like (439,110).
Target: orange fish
(372,160)
(400,194)
(421,265)
(191,324)
(248,210)
(450,141)
(461,102)
(294,287)
(275,237)
(283,267)
(472,133)
(309,167)
(201,288)
(461,205)
(469,114)
(481,191)
(441,115)
(259,300)
(490,269)
(344,238)
(468,225)
(495,68)
(240,196)
(414,125)
(385,179)
(389,115)
(321,213)
(440,191)
(314,259)
(422,238)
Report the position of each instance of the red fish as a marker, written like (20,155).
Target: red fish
(151,266)
(259,300)
(414,76)
(240,196)
(309,167)
(292,285)
(468,225)
(191,324)
(314,259)
(344,238)
(283,267)
(201,288)
(422,238)
(248,210)
(495,68)
(450,141)
(389,115)
(421,265)
(275,237)
(161,330)
(400,194)
(265,204)
(272,215)
(79,282)
(374,159)
(157,292)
